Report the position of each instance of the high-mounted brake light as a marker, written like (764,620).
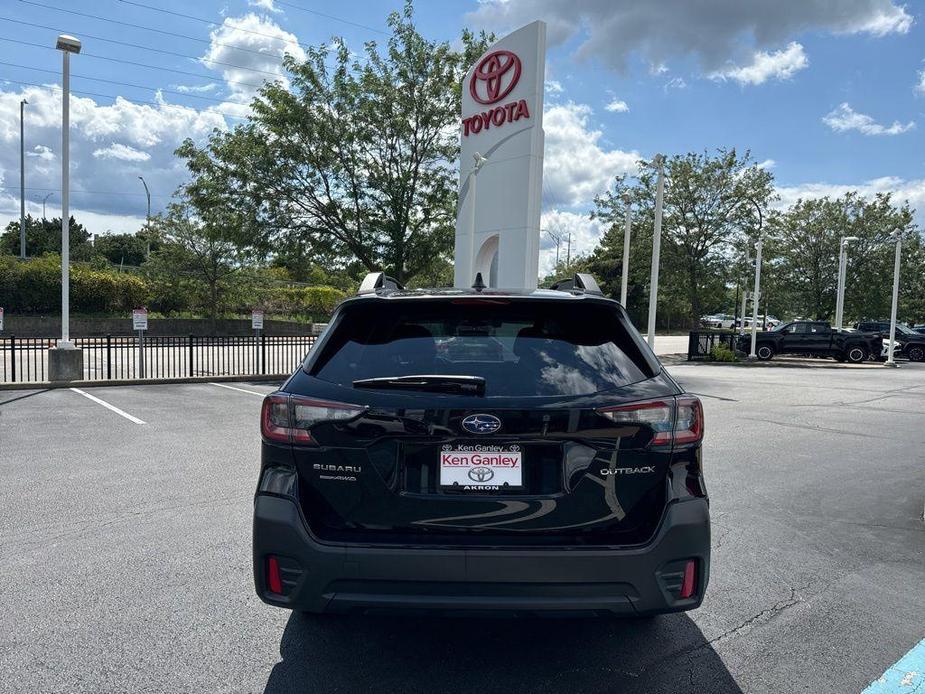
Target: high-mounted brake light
(289,418)
(672,420)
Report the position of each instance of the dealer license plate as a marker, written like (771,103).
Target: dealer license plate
(481,467)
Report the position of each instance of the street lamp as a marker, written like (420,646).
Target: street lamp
(842,271)
(897,237)
(44,200)
(147,217)
(473,175)
(755,297)
(22,180)
(67,45)
(627,229)
(659,162)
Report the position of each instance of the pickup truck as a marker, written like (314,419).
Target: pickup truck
(816,338)
(911,343)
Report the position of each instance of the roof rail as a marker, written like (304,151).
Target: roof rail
(376,282)
(581,282)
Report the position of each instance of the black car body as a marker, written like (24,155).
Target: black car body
(912,343)
(815,338)
(481,450)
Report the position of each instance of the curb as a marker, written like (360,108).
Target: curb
(47,385)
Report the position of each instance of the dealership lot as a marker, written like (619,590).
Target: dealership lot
(126,554)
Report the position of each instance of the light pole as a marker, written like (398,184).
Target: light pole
(147,217)
(627,229)
(897,237)
(744,296)
(755,297)
(842,271)
(22,180)
(473,176)
(44,200)
(67,45)
(659,162)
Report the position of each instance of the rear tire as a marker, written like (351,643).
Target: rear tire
(764,352)
(857,354)
(916,353)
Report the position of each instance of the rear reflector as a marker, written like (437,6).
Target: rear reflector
(672,420)
(289,418)
(274,582)
(689,583)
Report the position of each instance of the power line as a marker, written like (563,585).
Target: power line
(127,84)
(85,192)
(119,96)
(144,28)
(136,45)
(136,64)
(330,16)
(211,22)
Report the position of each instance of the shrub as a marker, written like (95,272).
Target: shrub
(721,352)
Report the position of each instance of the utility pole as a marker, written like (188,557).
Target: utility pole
(568,252)
(842,271)
(22,180)
(44,200)
(147,217)
(897,237)
(627,230)
(659,162)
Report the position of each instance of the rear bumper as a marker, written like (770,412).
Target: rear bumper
(321,577)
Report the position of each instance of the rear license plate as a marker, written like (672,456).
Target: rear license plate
(481,467)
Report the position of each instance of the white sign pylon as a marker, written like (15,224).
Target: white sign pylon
(501,163)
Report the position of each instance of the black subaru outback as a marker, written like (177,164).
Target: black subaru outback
(484,450)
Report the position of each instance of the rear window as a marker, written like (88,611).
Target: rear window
(520,348)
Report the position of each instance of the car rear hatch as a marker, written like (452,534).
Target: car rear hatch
(515,422)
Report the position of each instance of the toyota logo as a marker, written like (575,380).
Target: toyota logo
(492,71)
(481,474)
(481,424)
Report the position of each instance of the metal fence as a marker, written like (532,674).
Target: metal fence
(25,359)
(701,343)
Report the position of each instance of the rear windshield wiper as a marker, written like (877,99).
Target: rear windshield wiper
(433,383)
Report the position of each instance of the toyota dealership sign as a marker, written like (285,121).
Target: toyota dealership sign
(500,190)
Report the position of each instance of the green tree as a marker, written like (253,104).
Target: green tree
(44,236)
(710,202)
(808,237)
(130,249)
(355,161)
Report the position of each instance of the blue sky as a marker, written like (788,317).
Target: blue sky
(829,99)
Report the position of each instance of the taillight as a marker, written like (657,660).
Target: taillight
(689,582)
(289,418)
(676,420)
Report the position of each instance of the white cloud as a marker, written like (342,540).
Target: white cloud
(767,164)
(585,233)
(714,33)
(266,5)
(675,83)
(127,140)
(576,167)
(258,50)
(617,106)
(779,65)
(844,118)
(554,87)
(119,151)
(195,88)
(41,152)
(920,87)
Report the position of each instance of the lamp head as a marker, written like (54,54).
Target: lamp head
(68,44)
(627,199)
(24,102)
(849,239)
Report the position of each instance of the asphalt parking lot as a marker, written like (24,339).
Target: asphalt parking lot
(126,554)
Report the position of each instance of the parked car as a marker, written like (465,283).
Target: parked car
(911,344)
(771,322)
(815,338)
(719,321)
(397,475)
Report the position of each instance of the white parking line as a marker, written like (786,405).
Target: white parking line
(241,390)
(108,406)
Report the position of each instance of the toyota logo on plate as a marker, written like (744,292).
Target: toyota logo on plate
(481,424)
(492,71)
(481,474)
